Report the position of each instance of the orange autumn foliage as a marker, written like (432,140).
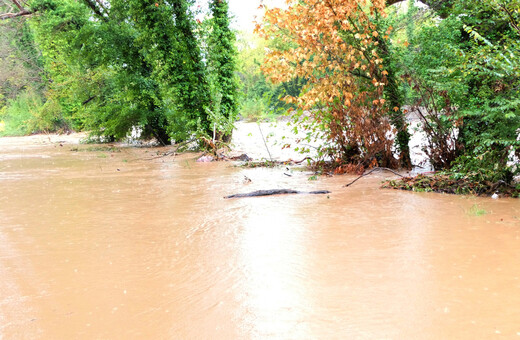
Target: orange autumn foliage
(333,45)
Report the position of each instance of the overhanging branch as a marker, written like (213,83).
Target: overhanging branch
(441,7)
(5,16)
(17,4)
(97,7)
(22,11)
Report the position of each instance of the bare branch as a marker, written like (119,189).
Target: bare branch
(17,4)
(371,171)
(14,15)
(23,11)
(512,20)
(100,3)
(92,5)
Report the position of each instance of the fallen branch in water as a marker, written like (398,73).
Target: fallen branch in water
(276,192)
(299,162)
(371,171)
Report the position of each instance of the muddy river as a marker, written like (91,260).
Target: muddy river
(100,243)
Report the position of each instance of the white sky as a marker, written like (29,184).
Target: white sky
(244,11)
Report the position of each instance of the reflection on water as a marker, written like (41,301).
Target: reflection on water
(273,257)
(114,245)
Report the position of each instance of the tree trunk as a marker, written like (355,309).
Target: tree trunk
(395,100)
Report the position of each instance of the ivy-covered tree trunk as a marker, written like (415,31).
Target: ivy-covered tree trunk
(194,94)
(157,126)
(170,46)
(395,102)
(222,63)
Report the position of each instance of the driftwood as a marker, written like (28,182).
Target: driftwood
(276,192)
(299,162)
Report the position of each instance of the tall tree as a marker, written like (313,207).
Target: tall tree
(138,62)
(336,47)
(20,61)
(168,43)
(463,73)
(222,56)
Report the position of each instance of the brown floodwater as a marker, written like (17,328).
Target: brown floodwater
(116,245)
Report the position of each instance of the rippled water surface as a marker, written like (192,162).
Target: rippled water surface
(122,245)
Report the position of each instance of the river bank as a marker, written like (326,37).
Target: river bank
(263,143)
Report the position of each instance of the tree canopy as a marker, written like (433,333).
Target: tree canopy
(367,65)
(117,66)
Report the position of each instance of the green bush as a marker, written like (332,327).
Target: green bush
(253,109)
(18,115)
(29,114)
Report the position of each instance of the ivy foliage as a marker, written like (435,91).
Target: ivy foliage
(222,56)
(464,70)
(118,67)
(22,80)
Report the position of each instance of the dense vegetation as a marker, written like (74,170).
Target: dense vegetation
(352,73)
(121,66)
(455,64)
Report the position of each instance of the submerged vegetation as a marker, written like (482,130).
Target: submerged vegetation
(358,76)
(445,183)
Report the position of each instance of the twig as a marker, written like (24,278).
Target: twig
(159,139)
(371,171)
(5,16)
(299,162)
(495,186)
(265,143)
